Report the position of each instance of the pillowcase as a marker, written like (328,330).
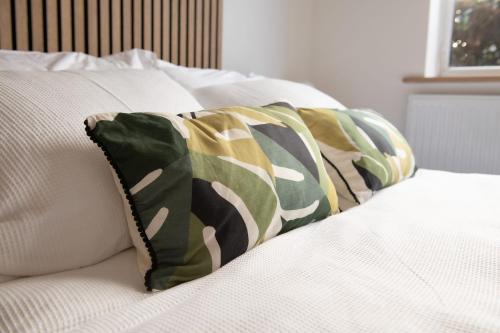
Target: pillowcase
(58,61)
(205,187)
(363,152)
(189,78)
(65,61)
(259,92)
(4,279)
(59,210)
(133,59)
(194,78)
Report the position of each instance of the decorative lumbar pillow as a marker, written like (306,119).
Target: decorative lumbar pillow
(58,208)
(362,151)
(205,187)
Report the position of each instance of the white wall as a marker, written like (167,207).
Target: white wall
(268,37)
(356,50)
(363,49)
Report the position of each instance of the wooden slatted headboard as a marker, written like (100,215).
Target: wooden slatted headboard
(184,32)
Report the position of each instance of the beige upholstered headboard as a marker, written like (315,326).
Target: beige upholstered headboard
(185,32)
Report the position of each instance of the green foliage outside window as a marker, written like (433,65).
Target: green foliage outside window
(476,33)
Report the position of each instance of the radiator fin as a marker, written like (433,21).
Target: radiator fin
(455,133)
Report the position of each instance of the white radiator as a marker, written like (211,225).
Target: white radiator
(455,133)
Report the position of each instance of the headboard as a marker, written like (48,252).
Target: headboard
(184,32)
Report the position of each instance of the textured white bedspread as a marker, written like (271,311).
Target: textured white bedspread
(421,256)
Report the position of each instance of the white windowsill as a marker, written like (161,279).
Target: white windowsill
(451,79)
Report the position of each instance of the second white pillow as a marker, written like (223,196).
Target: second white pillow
(262,92)
(59,208)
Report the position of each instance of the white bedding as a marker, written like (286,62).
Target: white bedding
(421,256)
(189,78)
(62,301)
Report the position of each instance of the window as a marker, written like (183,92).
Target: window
(464,38)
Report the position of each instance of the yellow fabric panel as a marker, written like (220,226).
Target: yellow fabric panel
(333,136)
(203,139)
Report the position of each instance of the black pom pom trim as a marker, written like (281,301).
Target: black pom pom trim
(135,214)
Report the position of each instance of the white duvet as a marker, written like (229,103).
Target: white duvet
(421,256)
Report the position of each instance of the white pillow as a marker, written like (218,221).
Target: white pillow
(262,92)
(193,78)
(59,208)
(61,61)
(134,59)
(39,61)
(4,278)
(189,78)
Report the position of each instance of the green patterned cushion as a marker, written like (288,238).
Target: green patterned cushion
(362,151)
(205,187)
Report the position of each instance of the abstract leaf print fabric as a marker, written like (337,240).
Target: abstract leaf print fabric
(205,187)
(363,152)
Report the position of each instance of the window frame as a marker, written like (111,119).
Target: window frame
(439,38)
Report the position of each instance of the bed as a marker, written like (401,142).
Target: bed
(390,265)
(420,256)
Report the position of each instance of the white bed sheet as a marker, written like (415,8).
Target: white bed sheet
(421,256)
(62,301)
